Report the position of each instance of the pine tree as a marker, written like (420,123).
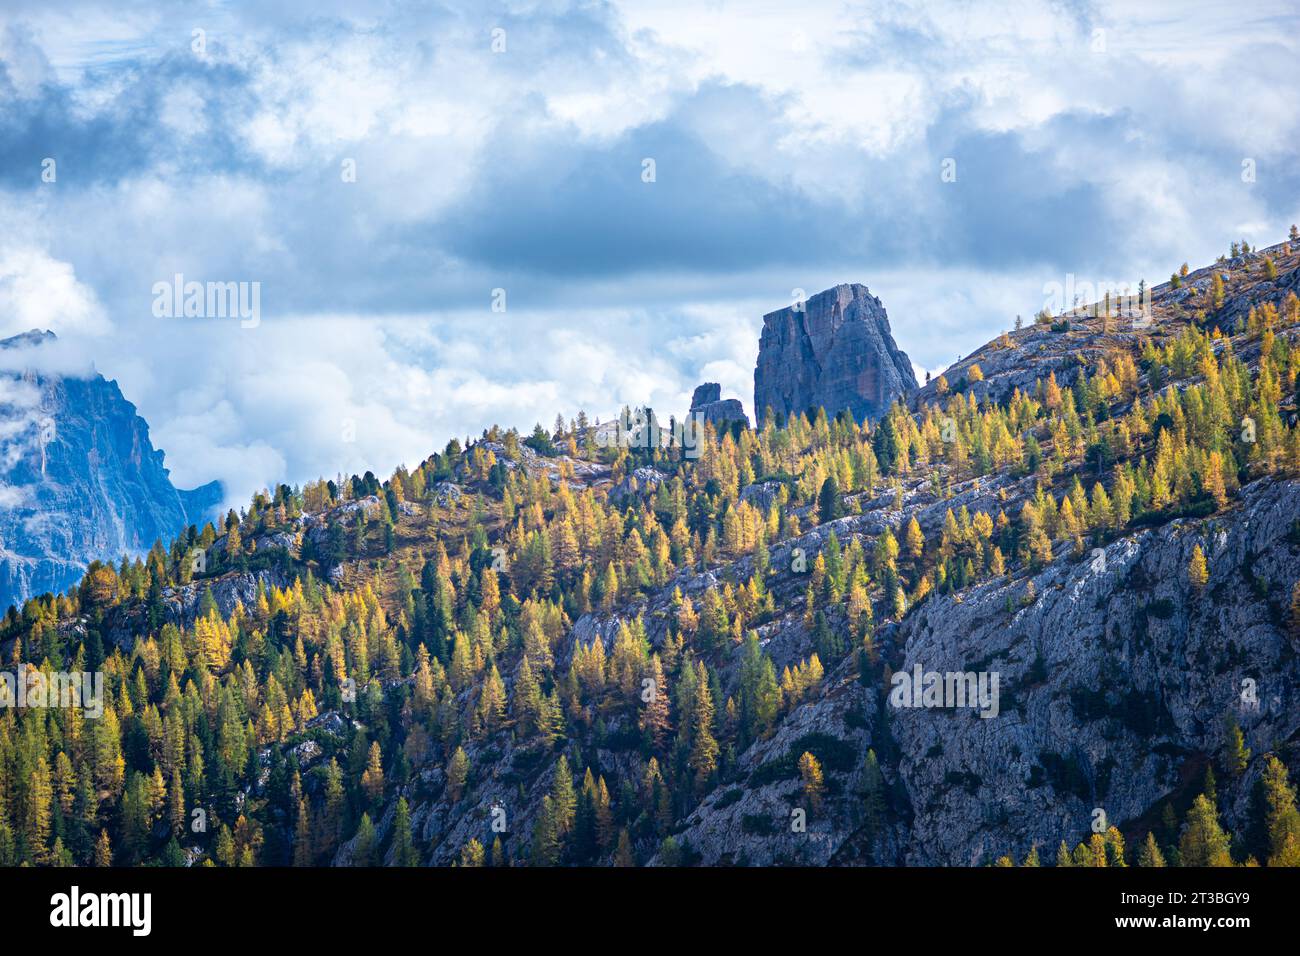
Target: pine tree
(829,505)
(1203,843)
(563,799)
(302,849)
(704,749)
(39,807)
(1238,754)
(546,837)
(915,539)
(813,786)
(332,824)
(623,855)
(103,850)
(372,780)
(1281,818)
(1197,570)
(1115,854)
(1150,854)
(363,845)
(457,773)
(404,853)
(654,719)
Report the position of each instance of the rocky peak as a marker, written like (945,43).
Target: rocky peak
(79,478)
(28,339)
(835,352)
(708,402)
(706,394)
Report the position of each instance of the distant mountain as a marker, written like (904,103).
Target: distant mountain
(834,351)
(79,479)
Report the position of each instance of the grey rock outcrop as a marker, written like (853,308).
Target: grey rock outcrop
(79,479)
(709,403)
(642,479)
(835,353)
(1115,682)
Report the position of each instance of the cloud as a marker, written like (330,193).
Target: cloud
(39,292)
(793,147)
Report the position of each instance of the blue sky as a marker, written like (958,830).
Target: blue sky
(794,146)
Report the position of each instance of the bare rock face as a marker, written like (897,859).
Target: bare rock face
(708,402)
(706,394)
(1115,682)
(79,478)
(836,353)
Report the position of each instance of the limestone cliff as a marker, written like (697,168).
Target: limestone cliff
(836,352)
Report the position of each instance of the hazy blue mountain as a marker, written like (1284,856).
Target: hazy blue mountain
(79,478)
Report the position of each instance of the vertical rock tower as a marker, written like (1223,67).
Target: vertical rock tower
(836,353)
(708,402)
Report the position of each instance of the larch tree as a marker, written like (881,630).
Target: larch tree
(1198,571)
(1149,855)
(1203,842)
(810,771)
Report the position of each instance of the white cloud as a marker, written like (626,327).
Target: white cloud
(829,116)
(40,292)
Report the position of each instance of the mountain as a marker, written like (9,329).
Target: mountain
(81,481)
(834,351)
(1047,610)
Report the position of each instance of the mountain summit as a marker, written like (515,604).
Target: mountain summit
(79,478)
(834,351)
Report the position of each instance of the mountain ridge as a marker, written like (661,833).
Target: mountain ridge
(558,650)
(84,481)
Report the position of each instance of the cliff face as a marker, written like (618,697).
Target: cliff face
(1116,683)
(79,478)
(836,353)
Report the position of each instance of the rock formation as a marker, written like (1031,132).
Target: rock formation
(79,479)
(834,353)
(708,401)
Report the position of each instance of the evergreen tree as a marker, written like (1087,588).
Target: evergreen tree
(363,846)
(1203,843)
(1150,854)
(829,505)
(810,771)
(457,773)
(1282,820)
(1197,571)
(564,801)
(404,853)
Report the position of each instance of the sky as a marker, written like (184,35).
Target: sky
(463,214)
